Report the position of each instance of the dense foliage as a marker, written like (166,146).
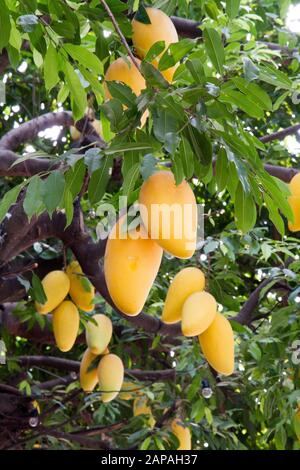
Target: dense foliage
(232,89)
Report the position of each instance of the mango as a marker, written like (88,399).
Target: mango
(56,286)
(185,283)
(198,312)
(294,185)
(98,336)
(217,344)
(144,36)
(141,407)
(183,434)
(82,291)
(126,72)
(131,263)
(88,378)
(110,376)
(65,321)
(294,202)
(169,213)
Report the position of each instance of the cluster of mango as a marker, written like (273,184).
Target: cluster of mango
(57,286)
(131,264)
(144,36)
(188,302)
(109,370)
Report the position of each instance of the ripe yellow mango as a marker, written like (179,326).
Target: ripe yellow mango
(294,202)
(110,376)
(131,263)
(56,286)
(141,407)
(183,434)
(88,378)
(185,283)
(65,322)
(79,286)
(294,185)
(126,72)
(198,312)
(169,213)
(144,36)
(98,336)
(217,344)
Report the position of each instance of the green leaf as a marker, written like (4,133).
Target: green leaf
(5,25)
(251,71)
(33,202)
(273,76)
(121,92)
(142,15)
(232,8)
(214,48)
(175,53)
(255,351)
(128,147)
(254,92)
(148,166)
(52,190)
(130,179)
(99,180)
(280,100)
(155,50)
(153,76)
(28,22)
(187,157)
(245,210)
(74,178)
(67,205)
(222,169)
(113,111)
(51,68)
(79,102)
(92,159)
(241,101)
(196,68)
(208,415)
(129,159)
(280,438)
(163,124)
(200,144)
(38,290)
(8,199)
(274,214)
(84,57)
(177,169)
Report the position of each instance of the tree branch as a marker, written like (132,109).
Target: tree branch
(244,317)
(29,167)
(73,366)
(30,129)
(280,135)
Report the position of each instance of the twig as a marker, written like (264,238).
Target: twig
(280,135)
(121,35)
